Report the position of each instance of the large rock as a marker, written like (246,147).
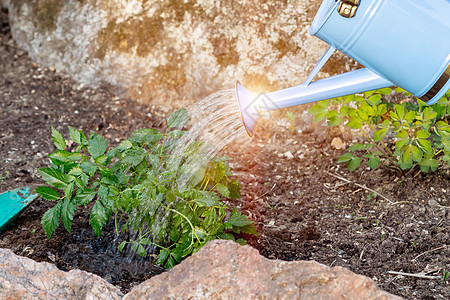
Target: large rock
(170,50)
(23,278)
(226,270)
(220,270)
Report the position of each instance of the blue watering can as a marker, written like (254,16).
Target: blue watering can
(401,42)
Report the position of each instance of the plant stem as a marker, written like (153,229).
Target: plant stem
(190,224)
(115,223)
(390,158)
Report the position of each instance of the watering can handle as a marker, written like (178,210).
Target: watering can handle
(320,64)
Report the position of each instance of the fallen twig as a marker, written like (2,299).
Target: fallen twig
(432,250)
(413,275)
(361,186)
(260,197)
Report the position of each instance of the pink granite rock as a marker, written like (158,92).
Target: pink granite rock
(226,270)
(23,278)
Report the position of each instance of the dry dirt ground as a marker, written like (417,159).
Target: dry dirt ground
(304,205)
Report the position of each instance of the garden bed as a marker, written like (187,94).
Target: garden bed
(304,206)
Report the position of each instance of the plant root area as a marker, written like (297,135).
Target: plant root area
(304,205)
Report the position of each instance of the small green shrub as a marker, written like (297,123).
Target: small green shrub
(421,132)
(136,184)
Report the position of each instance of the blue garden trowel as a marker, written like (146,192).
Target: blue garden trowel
(12,203)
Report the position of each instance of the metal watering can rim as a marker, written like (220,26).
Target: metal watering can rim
(324,12)
(326,25)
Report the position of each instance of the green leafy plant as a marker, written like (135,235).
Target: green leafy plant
(445,276)
(4,176)
(136,184)
(421,133)
(291,118)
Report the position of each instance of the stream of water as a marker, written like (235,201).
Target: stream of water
(214,122)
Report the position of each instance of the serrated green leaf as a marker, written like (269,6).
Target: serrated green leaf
(235,189)
(356,147)
(374,100)
(223,190)
(125,145)
(422,134)
(97,145)
(428,114)
(400,111)
(55,177)
(241,242)
(405,161)
(354,163)
(67,212)
(83,197)
(227,236)
(170,263)
(75,135)
(345,158)
(122,245)
(238,219)
(207,199)
(134,157)
(319,110)
(249,229)
(380,134)
(425,146)
(68,190)
(349,98)
(84,179)
(176,133)
(218,171)
(98,218)
(146,135)
(103,191)
(88,167)
(427,164)
(103,160)
(200,233)
(141,250)
(385,91)
(162,257)
(58,139)
(333,118)
(368,94)
(50,220)
(47,193)
(354,123)
(178,118)
(373,162)
(76,171)
(412,152)
(62,156)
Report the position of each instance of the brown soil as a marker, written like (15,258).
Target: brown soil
(302,212)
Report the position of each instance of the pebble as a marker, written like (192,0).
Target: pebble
(289,155)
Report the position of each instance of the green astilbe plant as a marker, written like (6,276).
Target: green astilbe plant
(136,185)
(421,133)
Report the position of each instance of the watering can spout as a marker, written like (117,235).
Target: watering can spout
(416,57)
(353,82)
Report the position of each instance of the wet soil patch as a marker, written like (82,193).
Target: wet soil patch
(304,205)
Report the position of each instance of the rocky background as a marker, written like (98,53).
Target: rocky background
(173,52)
